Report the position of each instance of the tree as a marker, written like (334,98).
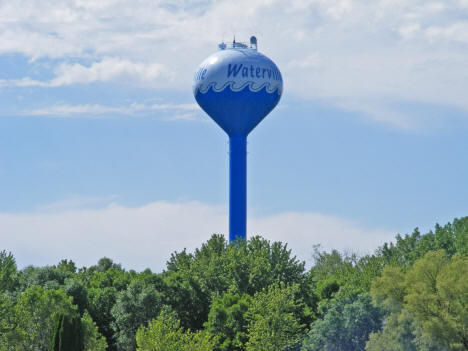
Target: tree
(227,321)
(68,334)
(8,327)
(8,272)
(134,307)
(244,267)
(401,332)
(93,340)
(100,304)
(78,292)
(184,294)
(433,292)
(273,319)
(49,277)
(77,335)
(35,312)
(165,334)
(437,289)
(346,325)
(334,271)
(452,238)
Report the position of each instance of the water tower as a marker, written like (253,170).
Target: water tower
(237,87)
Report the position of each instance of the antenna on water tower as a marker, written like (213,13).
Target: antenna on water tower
(253,42)
(237,87)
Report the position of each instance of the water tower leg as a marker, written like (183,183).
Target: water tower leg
(237,187)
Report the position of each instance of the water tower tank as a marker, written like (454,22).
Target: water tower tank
(237,87)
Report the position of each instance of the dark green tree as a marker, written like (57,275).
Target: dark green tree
(227,321)
(68,334)
(55,343)
(100,304)
(134,307)
(346,325)
(8,272)
(184,294)
(78,292)
(245,267)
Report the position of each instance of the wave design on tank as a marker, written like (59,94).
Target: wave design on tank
(237,87)
(237,112)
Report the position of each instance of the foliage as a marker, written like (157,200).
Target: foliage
(8,272)
(337,271)
(227,321)
(437,297)
(78,292)
(93,340)
(452,238)
(165,334)
(7,321)
(252,295)
(244,267)
(401,332)
(68,334)
(185,295)
(134,307)
(433,292)
(273,319)
(346,325)
(33,318)
(100,304)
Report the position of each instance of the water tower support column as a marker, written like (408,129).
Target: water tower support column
(237,187)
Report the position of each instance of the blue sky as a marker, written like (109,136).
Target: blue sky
(103,150)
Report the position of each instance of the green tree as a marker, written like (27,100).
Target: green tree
(273,319)
(78,292)
(389,289)
(227,321)
(433,292)
(106,274)
(8,272)
(165,334)
(93,340)
(245,267)
(8,327)
(68,334)
(184,294)
(437,296)
(401,332)
(100,304)
(35,311)
(352,274)
(134,307)
(452,237)
(346,325)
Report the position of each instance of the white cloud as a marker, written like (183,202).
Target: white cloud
(88,110)
(165,111)
(378,53)
(77,202)
(146,236)
(106,70)
(303,230)
(183,117)
(456,32)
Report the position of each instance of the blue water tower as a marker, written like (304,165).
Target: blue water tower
(237,87)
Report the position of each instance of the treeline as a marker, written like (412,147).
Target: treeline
(255,296)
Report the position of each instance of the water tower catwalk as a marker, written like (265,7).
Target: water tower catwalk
(237,87)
